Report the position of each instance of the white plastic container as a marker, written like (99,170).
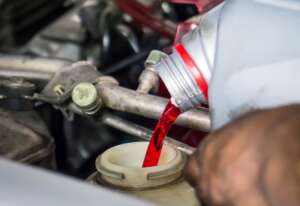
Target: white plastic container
(120,168)
(247,53)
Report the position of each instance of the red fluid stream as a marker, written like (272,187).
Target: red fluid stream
(162,127)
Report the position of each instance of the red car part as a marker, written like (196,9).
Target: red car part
(143,16)
(202,5)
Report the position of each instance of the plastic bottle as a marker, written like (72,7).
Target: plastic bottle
(244,55)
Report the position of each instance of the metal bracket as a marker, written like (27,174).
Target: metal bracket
(59,89)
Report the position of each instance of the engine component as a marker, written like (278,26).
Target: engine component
(20,20)
(101,32)
(141,132)
(25,138)
(59,89)
(202,5)
(149,79)
(32,69)
(17,94)
(62,39)
(85,96)
(120,168)
(126,100)
(143,16)
(112,95)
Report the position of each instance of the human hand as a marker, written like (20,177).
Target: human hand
(255,161)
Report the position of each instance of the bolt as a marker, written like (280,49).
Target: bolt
(59,90)
(85,96)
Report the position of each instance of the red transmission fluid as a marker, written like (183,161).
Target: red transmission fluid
(162,127)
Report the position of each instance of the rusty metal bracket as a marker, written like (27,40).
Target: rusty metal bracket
(60,87)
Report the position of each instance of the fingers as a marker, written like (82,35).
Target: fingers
(193,166)
(228,163)
(192,171)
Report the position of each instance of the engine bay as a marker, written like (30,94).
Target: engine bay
(111,41)
(111,100)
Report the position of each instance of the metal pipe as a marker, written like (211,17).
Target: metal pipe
(149,79)
(41,70)
(141,132)
(34,69)
(126,100)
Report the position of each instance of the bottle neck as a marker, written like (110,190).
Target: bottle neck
(193,69)
(188,70)
(183,78)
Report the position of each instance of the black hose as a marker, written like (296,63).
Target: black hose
(127,62)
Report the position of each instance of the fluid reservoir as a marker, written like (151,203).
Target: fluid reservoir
(244,55)
(120,169)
